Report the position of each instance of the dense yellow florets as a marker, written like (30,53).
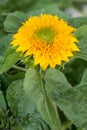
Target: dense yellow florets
(46,37)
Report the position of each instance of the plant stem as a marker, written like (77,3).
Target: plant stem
(19,68)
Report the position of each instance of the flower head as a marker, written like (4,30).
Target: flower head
(49,39)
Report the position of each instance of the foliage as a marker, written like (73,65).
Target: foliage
(32,99)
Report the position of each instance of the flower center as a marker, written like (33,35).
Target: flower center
(46,34)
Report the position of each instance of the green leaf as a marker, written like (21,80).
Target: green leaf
(56,82)
(77,22)
(72,101)
(20,105)
(2,101)
(33,84)
(81,34)
(10,61)
(13,21)
(34,88)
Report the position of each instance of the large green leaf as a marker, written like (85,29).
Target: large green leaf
(72,101)
(10,60)
(34,88)
(81,34)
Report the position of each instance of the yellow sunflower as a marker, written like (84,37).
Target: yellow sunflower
(48,38)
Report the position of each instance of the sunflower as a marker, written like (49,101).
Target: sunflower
(47,38)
